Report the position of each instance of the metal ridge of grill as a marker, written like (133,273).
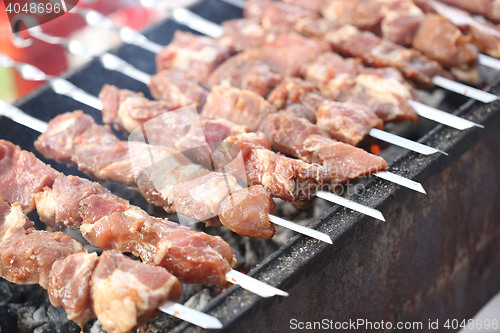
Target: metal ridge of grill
(401,270)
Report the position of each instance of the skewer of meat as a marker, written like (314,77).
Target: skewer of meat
(400,22)
(200,139)
(343,161)
(109,222)
(162,175)
(258,67)
(119,291)
(383,54)
(485,36)
(73,92)
(262,165)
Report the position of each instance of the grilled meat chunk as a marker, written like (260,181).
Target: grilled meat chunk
(195,55)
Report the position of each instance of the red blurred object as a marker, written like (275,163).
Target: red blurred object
(375,149)
(52,58)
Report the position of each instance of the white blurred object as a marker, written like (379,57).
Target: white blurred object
(490,312)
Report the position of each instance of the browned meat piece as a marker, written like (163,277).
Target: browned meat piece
(136,295)
(314,28)
(70,284)
(383,90)
(195,55)
(13,221)
(245,71)
(286,178)
(287,133)
(374,51)
(177,89)
(314,5)
(365,14)
(343,162)
(488,8)
(294,91)
(28,259)
(349,123)
(243,34)
(244,205)
(457,52)
(298,137)
(140,117)
(330,66)
(287,53)
(485,36)
(242,107)
(254,8)
(111,98)
(18,185)
(401,22)
(281,17)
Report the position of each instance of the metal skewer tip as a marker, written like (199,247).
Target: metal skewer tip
(489,61)
(301,229)
(351,205)
(442,117)
(405,182)
(405,143)
(463,89)
(192,316)
(253,285)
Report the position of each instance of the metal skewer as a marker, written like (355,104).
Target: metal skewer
(190,315)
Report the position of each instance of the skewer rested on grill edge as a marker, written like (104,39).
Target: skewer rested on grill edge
(71,90)
(450,14)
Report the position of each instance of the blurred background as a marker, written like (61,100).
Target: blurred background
(53,59)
